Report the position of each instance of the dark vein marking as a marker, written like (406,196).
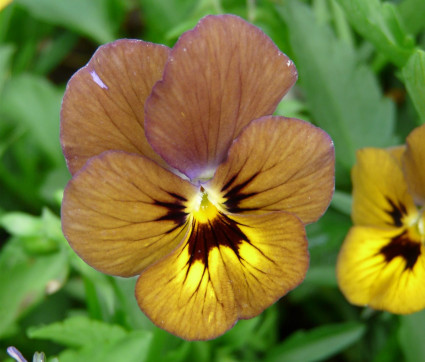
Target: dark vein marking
(401,245)
(396,212)
(220,231)
(229,183)
(178,197)
(235,195)
(176,210)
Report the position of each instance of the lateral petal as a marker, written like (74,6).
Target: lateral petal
(414,161)
(122,212)
(229,268)
(277,164)
(220,76)
(103,106)
(380,195)
(382,268)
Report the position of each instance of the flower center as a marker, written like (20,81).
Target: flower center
(210,229)
(413,221)
(417,225)
(206,210)
(406,244)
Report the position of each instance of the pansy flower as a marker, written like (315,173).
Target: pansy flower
(382,261)
(181,174)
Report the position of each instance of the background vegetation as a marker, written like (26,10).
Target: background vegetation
(361,78)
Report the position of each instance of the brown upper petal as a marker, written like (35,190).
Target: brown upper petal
(103,106)
(220,76)
(122,212)
(277,164)
(414,164)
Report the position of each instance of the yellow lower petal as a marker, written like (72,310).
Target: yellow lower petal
(189,300)
(228,268)
(268,268)
(382,268)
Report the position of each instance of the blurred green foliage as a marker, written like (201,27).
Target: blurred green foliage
(361,69)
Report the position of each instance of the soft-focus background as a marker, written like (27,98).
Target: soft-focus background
(361,78)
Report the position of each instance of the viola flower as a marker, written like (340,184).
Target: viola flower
(182,176)
(382,261)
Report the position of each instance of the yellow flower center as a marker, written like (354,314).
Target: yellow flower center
(415,225)
(204,209)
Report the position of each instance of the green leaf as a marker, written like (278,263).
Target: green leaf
(317,344)
(21,224)
(317,278)
(164,345)
(380,24)
(28,35)
(342,27)
(325,237)
(34,103)
(6,52)
(5,15)
(385,341)
(178,354)
(411,332)
(54,52)
(264,15)
(90,18)
(79,331)
(95,340)
(37,234)
(131,348)
(127,308)
(171,12)
(323,275)
(342,202)
(412,13)
(241,333)
(291,108)
(52,228)
(203,8)
(99,289)
(54,184)
(414,78)
(25,280)
(343,95)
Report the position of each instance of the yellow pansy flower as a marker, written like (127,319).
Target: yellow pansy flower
(382,261)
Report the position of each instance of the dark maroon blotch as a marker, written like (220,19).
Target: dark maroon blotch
(402,246)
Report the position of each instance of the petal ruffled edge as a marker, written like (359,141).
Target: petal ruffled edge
(122,212)
(278,164)
(103,105)
(219,76)
(199,292)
